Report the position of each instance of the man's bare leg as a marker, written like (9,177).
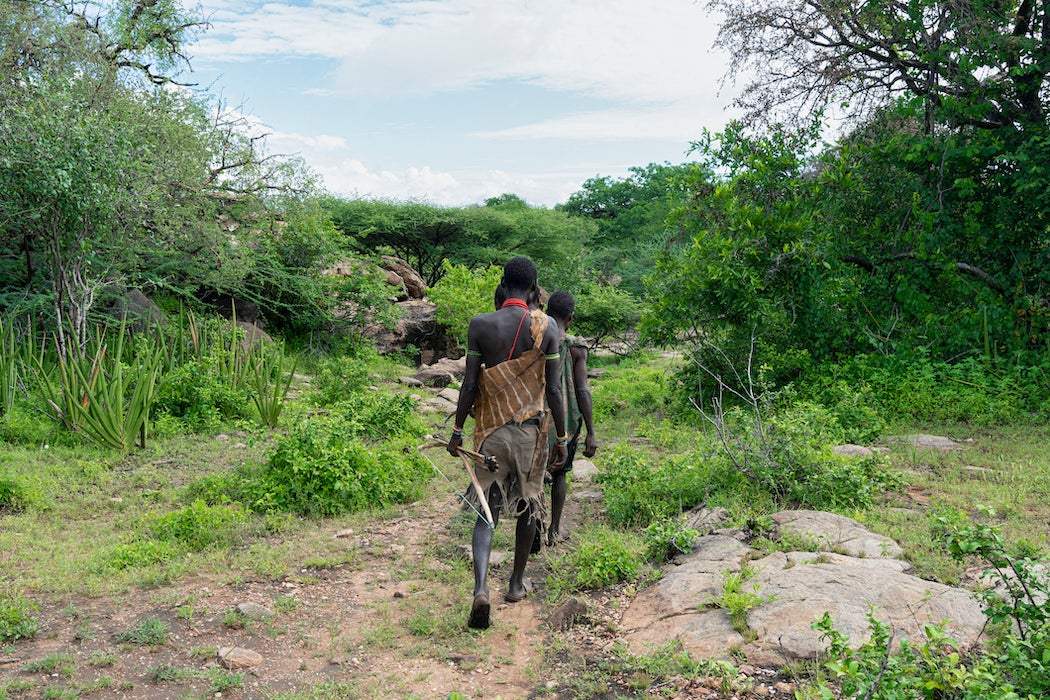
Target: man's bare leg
(559,488)
(524,534)
(481,548)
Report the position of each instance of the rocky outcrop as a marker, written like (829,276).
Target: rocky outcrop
(857,573)
(138,311)
(417,328)
(400,273)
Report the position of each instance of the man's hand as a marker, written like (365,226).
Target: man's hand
(454,443)
(559,454)
(590,446)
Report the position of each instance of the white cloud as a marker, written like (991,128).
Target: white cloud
(640,50)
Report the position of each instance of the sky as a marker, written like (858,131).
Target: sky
(451,102)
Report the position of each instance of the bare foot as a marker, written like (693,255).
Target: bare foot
(479,612)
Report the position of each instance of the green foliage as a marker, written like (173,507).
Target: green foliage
(342,375)
(200,526)
(16,618)
(142,553)
(667,537)
(1015,601)
(321,467)
(598,556)
(197,394)
(631,390)
(151,632)
(16,492)
(736,600)
(932,668)
(95,395)
(269,384)
(606,312)
(461,294)
(11,362)
(640,490)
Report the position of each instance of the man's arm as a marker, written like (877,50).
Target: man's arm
(583,397)
(552,375)
(469,390)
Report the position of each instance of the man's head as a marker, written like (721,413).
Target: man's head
(519,275)
(561,306)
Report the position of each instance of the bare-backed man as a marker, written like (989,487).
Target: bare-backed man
(512,366)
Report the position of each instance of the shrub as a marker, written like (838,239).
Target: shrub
(667,537)
(633,389)
(151,632)
(16,618)
(139,554)
(639,490)
(321,468)
(195,393)
(461,294)
(199,525)
(15,493)
(379,416)
(599,556)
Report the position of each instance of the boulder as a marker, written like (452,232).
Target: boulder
(138,311)
(417,328)
(792,590)
(405,275)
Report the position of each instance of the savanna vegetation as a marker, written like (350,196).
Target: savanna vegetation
(781,292)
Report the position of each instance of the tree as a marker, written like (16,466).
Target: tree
(971,62)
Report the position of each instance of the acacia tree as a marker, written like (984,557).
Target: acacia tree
(972,62)
(109,174)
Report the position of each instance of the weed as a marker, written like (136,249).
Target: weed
(50,663)
(598,556)
(737,602)
(203,652)
(150,632)
(235,619)
(103,658)
(286,603)
(222,680)
(16,618)
(166,673)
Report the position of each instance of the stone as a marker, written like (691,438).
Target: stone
(136,309)
(566,614)
(254,611)
(853,451)
(704,520)
(409,381)
(234,658)
(925,442)
(434,376)
(254,336)
(449,394)
(586,496)
(438,405)
(406,275)
(837,533)
(583,470)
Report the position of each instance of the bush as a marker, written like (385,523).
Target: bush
(16,618)
(140,554)
(199,525)
(639,491)
(599,556)
(322,468)
(634,389)
(461,294)
(16,494)
(377,416)
(200,396)
(667,537)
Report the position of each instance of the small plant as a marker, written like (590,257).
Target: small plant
(151,632)
(286,603)
(16,618)
(57,661)
(269,385)
(235,619)
(103,658)
(736,601)
(222,680)
(666,538)
(199,525)
(599,557)
(166,673)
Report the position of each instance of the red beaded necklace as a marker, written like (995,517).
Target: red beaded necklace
(514,301)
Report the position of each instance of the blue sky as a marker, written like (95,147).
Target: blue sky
(454,101)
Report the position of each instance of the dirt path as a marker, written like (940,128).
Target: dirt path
(389,623)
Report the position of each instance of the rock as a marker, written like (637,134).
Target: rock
(254,611)
(595,372)
(230,307)
(138,311)
(704,520)
(409,381)
(925,442)
(566,614)
(852,451)
(587,496)
(254,336)
(237,657)
(405,275)
(837,533)
(434,376)
(437,404)
(583,470)
(450,395)
(792,590)
(416,327)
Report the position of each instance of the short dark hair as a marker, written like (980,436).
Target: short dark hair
(499,297)
(561,305)
(519,273)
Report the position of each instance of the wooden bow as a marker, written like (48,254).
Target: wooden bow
(468,456)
